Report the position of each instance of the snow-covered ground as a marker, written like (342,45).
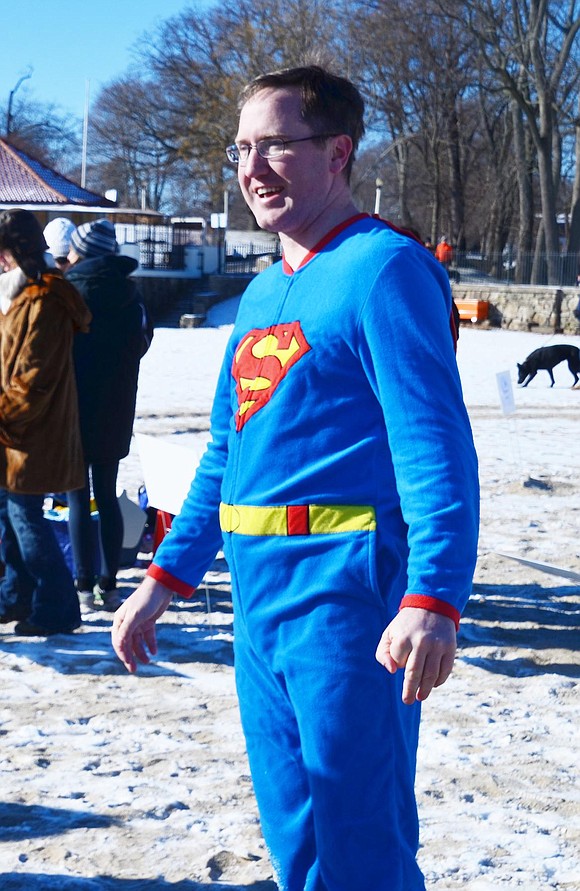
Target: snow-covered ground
(139,783)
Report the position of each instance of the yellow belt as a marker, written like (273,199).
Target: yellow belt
(296,519)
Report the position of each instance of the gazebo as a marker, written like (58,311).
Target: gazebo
(29,183)
(160,245)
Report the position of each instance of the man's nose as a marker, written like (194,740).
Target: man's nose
(255,162)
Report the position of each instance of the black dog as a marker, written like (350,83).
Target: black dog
(547,358)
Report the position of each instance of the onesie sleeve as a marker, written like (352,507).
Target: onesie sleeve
(407,350)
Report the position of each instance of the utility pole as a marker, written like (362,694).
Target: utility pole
(10,98)
(85,134)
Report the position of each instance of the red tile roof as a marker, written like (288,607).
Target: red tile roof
(25,180)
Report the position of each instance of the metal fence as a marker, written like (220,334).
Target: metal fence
(163,247)
(160,247)
(510,268)
(505,268)
(251,256)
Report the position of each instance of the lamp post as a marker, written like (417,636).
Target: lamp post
(10,98)
(374,166)
(379,186)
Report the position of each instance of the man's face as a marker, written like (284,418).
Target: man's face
(288,194)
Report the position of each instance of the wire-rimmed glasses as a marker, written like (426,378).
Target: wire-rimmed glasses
(272,147)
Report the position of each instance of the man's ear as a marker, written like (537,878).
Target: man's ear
(341,152)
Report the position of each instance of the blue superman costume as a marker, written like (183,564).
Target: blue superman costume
(342,457)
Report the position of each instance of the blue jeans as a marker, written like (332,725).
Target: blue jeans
(104,479)
(36,577)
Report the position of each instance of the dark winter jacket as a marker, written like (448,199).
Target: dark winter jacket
(107,358)
(40,444)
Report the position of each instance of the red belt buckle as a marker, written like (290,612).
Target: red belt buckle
(297,519)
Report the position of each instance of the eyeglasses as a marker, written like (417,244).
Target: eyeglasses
(267,148)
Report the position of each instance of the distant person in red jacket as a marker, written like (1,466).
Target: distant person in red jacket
(444,252)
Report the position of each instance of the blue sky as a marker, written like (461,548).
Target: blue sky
(66,43)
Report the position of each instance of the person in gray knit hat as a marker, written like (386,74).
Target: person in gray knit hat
(94,239)
(107,369)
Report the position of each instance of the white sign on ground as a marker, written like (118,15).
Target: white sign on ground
(168,470)
(506,393)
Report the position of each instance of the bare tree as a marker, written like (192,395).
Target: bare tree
(46,132)
(131,145)
(527,45)
(175,119)
(469,107)
(418,68)
(200,62)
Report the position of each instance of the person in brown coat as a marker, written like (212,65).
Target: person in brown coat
(40,444)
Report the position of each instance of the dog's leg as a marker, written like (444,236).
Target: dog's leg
(549,370)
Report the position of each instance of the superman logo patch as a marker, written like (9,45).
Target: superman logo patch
(263,358)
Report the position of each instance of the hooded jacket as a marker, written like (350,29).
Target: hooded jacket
(107,357)
(39,421)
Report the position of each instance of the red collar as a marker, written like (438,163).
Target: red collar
(323,242)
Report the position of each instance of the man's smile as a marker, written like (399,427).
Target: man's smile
(266,191)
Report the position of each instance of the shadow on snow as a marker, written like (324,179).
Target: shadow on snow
(14,881)
(530,617)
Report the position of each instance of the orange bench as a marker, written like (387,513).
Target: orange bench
(472,310)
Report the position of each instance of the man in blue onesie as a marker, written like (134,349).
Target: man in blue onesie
(341,480)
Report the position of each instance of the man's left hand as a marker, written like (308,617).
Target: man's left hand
(424,644)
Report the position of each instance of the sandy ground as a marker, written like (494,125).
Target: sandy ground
(117,782)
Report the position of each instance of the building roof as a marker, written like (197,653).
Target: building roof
(26,180)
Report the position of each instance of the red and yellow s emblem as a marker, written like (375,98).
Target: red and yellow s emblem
(263,358)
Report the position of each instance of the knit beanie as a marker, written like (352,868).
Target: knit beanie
(20,233)
(95,239)
(58,234)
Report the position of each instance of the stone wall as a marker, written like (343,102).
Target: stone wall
(229,285)
(525,308)
(160,293)
(519,308)
(163,294)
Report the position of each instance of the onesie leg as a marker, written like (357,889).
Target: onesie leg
(332,751)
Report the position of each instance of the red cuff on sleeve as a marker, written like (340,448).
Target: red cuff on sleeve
(176,585)
(433,604)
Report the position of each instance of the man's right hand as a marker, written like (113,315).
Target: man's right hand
(133,632)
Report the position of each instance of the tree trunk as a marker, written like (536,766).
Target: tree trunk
(526,197)
(549,221)
(401,160)
(574,233)
(456,181)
